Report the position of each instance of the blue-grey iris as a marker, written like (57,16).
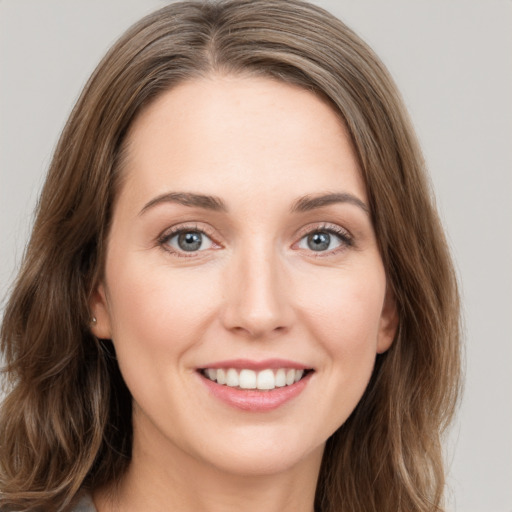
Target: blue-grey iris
(319,241)
(190,241)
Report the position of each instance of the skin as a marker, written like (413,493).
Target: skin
(256,291)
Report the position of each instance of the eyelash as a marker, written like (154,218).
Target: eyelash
(163,240)
(346,239)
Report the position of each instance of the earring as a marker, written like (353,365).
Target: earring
(93,320)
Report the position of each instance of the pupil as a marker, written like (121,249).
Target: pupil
(319,241)
(190,241)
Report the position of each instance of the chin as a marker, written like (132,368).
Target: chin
(261,450)
(266,460)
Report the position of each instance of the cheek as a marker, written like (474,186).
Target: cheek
(345,321)
(153,306)
(158,317)
(344,311)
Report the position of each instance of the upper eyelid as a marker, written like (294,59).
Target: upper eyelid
(323,226)
(308,228)
(174,230)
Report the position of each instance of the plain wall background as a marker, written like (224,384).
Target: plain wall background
(452,60)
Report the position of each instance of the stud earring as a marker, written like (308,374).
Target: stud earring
(93,320)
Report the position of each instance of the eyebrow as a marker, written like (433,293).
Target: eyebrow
(214,203)
(187,199)
(308,203)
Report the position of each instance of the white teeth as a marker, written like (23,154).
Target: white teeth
(221,376)
(211,373)
(249,379)
(280,378)
(232,378)
(266,380)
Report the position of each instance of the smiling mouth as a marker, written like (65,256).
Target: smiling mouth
(264,380)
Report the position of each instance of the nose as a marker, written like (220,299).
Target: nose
(257,301)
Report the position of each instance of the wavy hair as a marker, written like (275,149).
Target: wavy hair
(65,424)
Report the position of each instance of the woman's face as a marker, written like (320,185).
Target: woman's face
(242,254)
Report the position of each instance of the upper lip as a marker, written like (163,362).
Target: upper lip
(257,365)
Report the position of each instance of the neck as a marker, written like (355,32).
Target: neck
(173,479)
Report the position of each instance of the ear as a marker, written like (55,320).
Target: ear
(388,324)
(100,315)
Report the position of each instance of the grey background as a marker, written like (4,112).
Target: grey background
(452,60)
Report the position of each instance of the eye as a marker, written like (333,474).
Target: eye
(324,240)
(188,240)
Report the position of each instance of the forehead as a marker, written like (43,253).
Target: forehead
(226,133)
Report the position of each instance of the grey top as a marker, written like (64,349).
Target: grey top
(85,505)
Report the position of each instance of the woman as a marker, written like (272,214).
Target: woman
(237,292)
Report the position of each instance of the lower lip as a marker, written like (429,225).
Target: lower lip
(253,400)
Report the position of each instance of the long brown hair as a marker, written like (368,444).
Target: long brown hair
(65,424)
